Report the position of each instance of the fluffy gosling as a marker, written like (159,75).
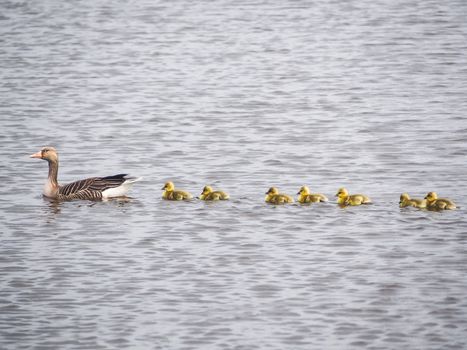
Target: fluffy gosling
(273,196)
(406,201)
(171,194)
(209,195)
(435,203)
(304,196)
(343,198)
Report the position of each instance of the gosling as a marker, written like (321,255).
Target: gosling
(209,195)
(171,194)
(273,196)
(406,201)
(435,203)
(304,196)
(343,198)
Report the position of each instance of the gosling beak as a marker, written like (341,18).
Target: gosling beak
(298,192)
(36,155)
(163,188)
(336,195)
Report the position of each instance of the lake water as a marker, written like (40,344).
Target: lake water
(242,95)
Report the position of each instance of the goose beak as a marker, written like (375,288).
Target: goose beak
(36,155)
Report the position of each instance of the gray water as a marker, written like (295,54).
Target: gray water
(242,95)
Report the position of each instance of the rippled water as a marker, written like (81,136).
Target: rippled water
(242,95)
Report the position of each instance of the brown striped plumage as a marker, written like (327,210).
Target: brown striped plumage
(89,189)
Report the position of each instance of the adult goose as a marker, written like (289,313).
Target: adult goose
(93,188)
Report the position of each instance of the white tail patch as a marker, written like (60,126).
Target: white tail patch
(121,190)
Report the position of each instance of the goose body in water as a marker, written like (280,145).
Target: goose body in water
(344,198)
(406,201)
(93,188)
(274,197)
(209,194)
(304,196)
(172,194)
(435,203)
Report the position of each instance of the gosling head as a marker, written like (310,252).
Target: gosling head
(206,190)
(169,186)
(431,197)
(303,191)
(46,153)
(404,197)
(342,192)
(272,190)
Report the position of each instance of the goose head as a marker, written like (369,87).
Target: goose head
(272,191)
(206,190)
(304,190)
(169,186)
(404,197)
(342,193)
(46,153)
(431,197)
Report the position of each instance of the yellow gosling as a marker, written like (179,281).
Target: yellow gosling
(435,203)
(171,194)
(209,195)
(343,198)
(304,196)
(406,201)
(273,196)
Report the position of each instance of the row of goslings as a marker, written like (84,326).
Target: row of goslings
(431,201)
(273,196)
(305,196)
(208,194)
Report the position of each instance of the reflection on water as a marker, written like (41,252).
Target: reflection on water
(241,96)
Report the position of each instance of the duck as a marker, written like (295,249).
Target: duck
(273,196)
(93,188)
(209,194)
(304,196)
(406,201)
(435,203)
(170,193)
(343,198)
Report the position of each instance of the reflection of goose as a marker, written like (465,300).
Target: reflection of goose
(170,193)
(209,195)
(304,196)
(433,202)
(343,198)
(406,201)
(93,188)
(273,196)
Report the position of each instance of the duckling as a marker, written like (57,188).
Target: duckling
(170,193)
(406,201)
(209,195)
(273,196)
(343,198)
(435,203)
(304,196)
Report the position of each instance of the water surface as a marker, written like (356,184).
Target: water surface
(242,95)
